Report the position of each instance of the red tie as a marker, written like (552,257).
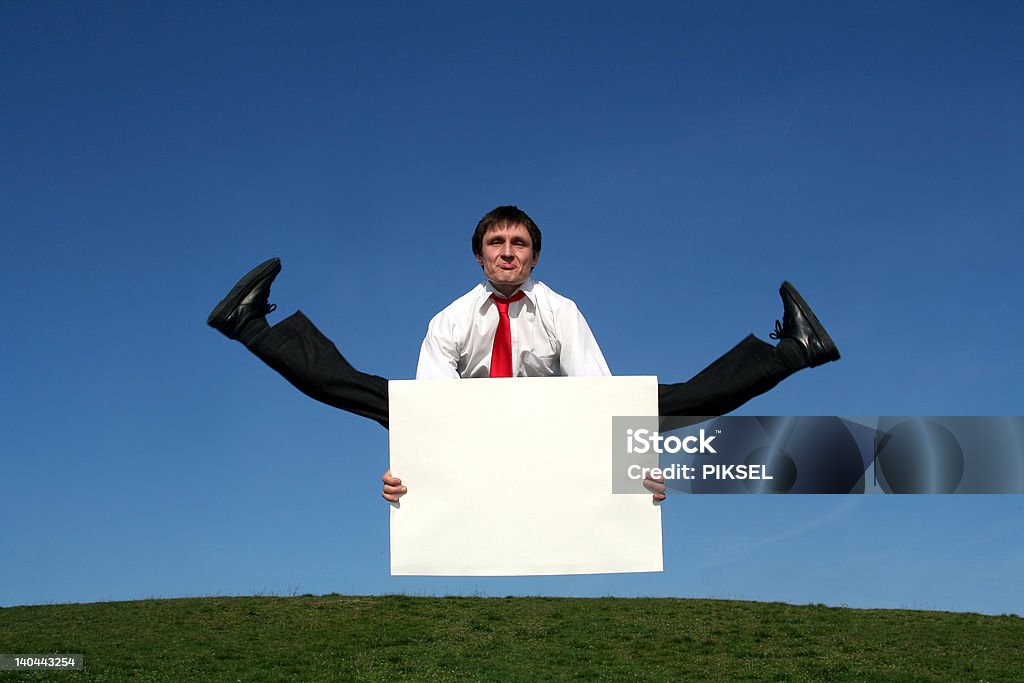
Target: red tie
(501,353)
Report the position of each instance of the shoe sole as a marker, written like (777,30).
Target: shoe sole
(229,303)
(829,348)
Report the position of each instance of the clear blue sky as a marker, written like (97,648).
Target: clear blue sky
(682,159)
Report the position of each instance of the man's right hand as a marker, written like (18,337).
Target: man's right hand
(392,487)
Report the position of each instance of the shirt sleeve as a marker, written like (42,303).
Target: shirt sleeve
(439,356)
(580,355)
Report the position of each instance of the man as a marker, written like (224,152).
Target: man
(509,326)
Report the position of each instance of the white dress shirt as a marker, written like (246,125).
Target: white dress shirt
(549,337)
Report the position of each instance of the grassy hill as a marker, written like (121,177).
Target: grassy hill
(339,638)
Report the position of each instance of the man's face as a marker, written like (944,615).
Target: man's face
(507,257)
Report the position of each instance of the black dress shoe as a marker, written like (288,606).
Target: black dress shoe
(247,301)
(801,325)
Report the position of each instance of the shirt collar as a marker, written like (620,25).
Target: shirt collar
(484,298)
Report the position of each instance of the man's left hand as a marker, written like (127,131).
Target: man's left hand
(655,486)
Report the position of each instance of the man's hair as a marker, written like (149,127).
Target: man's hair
(500,217)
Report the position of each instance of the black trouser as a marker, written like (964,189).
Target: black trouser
(312,363)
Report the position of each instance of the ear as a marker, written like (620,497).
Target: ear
(479,259)
(536,257)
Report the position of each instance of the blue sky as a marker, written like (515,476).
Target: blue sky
(682,160)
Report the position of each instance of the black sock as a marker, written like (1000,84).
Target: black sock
(253,329)
(792,355)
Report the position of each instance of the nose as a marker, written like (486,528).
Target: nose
(506,252)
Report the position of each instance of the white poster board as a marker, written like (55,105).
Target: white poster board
(514,477)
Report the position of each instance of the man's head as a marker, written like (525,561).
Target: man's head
(506,244)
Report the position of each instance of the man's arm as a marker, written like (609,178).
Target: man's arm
(580,354)
(439,357)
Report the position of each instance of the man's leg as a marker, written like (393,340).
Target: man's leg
(753,367)
(296,348)
(312,363)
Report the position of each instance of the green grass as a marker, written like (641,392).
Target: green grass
(338,638)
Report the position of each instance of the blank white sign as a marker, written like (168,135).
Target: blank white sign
(514,477)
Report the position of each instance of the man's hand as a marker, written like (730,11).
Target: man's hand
(393,487)
(655,486)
